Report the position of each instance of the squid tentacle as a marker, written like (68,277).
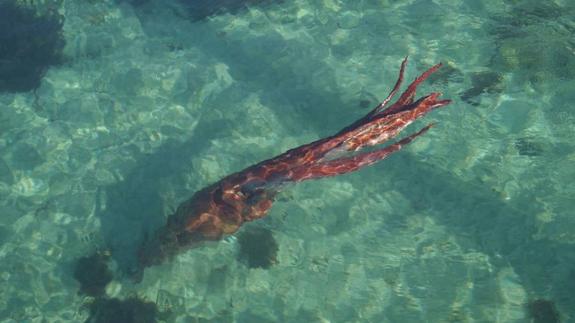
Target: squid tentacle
(349,164)
(378,126)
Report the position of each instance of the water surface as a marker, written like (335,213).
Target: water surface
(471,223)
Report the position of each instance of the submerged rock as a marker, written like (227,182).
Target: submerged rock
(93,274)
(258,248)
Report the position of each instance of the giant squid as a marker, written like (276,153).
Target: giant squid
(221,208)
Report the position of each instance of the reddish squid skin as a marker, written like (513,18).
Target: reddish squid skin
(221,208)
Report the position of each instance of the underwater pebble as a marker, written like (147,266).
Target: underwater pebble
(155,136)
(339,36)
(54,252)
(306,18)
(62,218)
(511,289)
(332,5)
(113,289)
(23,222)
(545,216)
(104,177)
(257,281)
(28,186)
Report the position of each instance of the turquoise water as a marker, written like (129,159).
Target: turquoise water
(471,223)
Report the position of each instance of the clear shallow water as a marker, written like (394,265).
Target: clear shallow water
(471,223)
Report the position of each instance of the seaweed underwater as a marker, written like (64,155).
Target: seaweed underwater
(30,43)
(93,275)
(220,209)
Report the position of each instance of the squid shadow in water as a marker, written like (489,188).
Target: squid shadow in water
(134,206)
